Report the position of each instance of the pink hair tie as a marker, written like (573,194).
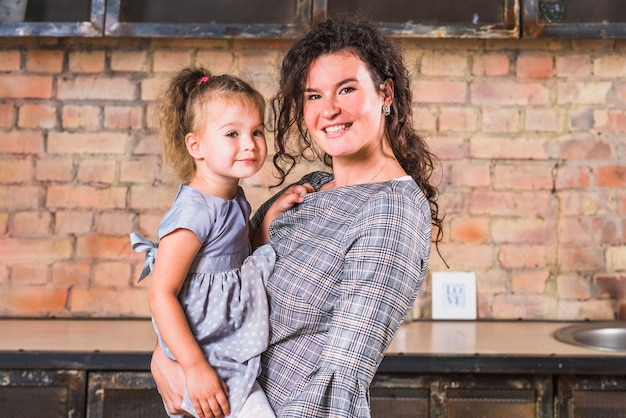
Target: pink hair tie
(203,80)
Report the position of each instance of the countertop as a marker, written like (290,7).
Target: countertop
(418,347)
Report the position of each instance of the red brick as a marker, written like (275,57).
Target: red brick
(73,197)
(458,119)
(28,250)
(583,92)
(115,223)
(573,66)
(491,65)
(96,171)
(31,274)
(4,222)
(609,66)
(442,64)
(525,256)
(170,61)
(25,86)
(611,176)
(526,176)
(584,148)
(505,203)
(16,171)
(580,259)
(143,170)
(86,143)
(111,274)
(500,120)
(19,197)
(473,230)
(37,116)
(110,302)
(573,286)
(81,117)
(86,61)
(21,142)
(439,91)
(96,88)
(54,169)
(621,91)
(23,301)
(44,61)
(31,224)
(7,115)
(530,281)
(123,117)
(70,273)
(103,247)
(467,256)
(610,285)
(136,61)
(534,147)
(69,222)
(573,230)
(609,120)
(151,198)
(218,61)
(10,60)
(496,92)
(542,120)
(607,230)
(586,202)
(535,65)
(469,174)
(616,257)
(509,306)
(521,230)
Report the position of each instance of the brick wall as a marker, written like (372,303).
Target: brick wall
(529,133)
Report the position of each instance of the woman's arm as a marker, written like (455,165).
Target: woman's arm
(177,251)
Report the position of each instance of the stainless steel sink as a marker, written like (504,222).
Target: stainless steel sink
(605,336)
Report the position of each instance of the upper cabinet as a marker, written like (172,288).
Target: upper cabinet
(434,18)
(289,18)
(574,19)
(207,18)
(58,18)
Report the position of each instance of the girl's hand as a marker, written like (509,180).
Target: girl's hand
(292,195)
(207,391)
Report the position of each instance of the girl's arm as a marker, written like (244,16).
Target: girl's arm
(285,201)
(177,251)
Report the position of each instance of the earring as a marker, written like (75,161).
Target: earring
(386,110)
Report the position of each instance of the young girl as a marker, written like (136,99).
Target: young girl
(207,296)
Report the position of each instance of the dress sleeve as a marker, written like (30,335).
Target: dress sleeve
(386,257)
(192,214)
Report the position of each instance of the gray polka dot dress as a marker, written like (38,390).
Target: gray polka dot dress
(224,294)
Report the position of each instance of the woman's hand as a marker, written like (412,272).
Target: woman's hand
(170,380)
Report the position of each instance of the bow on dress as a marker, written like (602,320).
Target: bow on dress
(140,244)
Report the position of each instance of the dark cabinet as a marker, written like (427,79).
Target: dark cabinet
(462,396)
(59,18)
(591,397)
(37,393)
(574,18)
(288,18)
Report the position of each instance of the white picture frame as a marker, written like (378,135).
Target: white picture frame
(453,295)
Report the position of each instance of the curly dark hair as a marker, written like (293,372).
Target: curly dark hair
(384,61)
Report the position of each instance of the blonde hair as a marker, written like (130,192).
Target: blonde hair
(179,109)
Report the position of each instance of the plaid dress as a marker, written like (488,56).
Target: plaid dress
(350,262)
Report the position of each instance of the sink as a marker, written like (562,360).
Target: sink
(604,336)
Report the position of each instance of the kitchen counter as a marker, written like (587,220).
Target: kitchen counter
(418,347)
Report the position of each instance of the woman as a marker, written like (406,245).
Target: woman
(352,256)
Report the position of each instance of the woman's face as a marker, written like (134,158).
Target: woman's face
(343,107)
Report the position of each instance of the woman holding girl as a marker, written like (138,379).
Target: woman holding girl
(352,255)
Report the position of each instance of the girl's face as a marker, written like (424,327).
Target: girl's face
(343,107)
(230,139)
